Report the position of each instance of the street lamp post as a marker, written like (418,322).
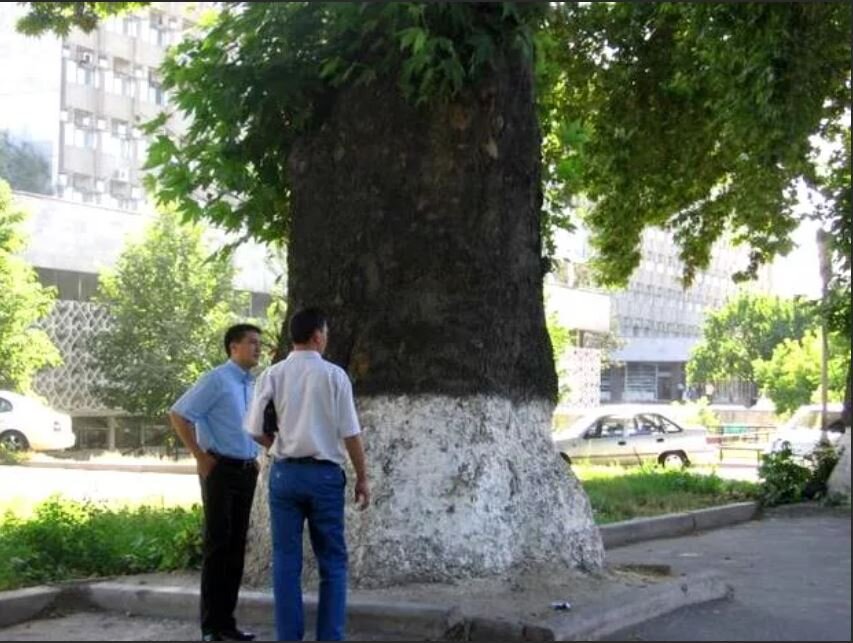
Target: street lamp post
(825,276)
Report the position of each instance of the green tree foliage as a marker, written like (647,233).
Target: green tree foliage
(835,215)
(747,328)
(61,17)
(692,117)
(561,341)
(696,118)
(791,376)
(24,349)
(23,167)
(170,303)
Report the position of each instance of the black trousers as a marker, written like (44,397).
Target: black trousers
(227,494)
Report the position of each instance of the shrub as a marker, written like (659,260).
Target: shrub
(7,456)
(782,479)
(66,539)
(823,460)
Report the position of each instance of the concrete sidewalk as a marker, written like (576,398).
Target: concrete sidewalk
(142,467)
(790,572)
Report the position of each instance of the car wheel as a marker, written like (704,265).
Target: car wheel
(673,460)
(14,441)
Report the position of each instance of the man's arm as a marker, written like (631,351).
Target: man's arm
(356,455)
(253,423)
(204,461)
(265,440)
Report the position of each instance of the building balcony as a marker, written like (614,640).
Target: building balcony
(78,160)
(579,309)
(81,97)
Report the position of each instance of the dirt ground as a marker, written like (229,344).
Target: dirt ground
(101,626)
(527,596)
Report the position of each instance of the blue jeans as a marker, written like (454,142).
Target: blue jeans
(312,492)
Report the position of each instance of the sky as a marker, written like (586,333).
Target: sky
(799,272)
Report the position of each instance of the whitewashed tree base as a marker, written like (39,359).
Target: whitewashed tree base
(462,488)
(839,480)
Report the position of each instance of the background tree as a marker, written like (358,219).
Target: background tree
(791,376)
(561,341)
(835,215)
(398,149)
(23,167)
(61,17)
(747,328)
(24,349)
(169,305)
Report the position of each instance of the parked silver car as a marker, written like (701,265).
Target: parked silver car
(632,435)
(802,432)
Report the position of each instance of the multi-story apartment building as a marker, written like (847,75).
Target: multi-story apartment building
(81,99)
(660,321)
(656,321)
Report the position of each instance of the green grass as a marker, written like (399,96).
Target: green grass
(617,493)
(65,540)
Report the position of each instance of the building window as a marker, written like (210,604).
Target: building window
(120,143)
(156,94)
(70,285)
(604,387)
(83,132)
(120,80)
(640,382)
(130,26)
(81,70)
(156,32)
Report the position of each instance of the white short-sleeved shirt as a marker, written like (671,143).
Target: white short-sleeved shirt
(314,404)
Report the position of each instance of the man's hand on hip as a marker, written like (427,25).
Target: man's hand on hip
(204,464)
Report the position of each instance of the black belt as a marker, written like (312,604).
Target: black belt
(233,462)
(307,460)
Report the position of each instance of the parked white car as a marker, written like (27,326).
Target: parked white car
(802,432)
(632,435)
(26,423)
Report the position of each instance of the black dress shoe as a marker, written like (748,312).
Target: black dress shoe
(236,635)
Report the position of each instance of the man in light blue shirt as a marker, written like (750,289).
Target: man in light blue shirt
(208,419)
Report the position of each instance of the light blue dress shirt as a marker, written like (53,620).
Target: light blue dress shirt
(216,405)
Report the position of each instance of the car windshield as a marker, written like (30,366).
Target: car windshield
(579,426)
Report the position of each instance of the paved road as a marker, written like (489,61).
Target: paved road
(790,572)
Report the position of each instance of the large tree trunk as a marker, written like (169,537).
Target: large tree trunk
(418,231)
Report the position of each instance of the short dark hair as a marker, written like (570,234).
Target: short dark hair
(304,323)
(236,333)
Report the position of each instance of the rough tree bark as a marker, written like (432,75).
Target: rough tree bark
(417,229)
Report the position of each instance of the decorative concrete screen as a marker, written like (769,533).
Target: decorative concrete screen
(581,370)
(69,387)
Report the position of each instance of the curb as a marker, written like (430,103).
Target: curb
(23,604)
(105,466)
(619,611)
(407,621)
(258,607)
(677,524)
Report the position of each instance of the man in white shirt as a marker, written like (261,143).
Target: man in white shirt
(316,422)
